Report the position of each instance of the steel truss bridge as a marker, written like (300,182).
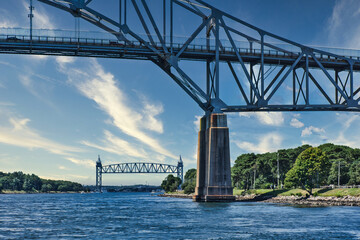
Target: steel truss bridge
(265,72)
(136,168)
(261,63)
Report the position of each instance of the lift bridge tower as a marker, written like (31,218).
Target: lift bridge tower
(259,65)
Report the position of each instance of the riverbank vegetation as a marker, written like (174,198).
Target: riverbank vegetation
(294,171)
(321,192)
(170,183)
(302,167)
(189,181)
(18,182)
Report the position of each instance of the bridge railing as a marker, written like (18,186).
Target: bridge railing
(199,44)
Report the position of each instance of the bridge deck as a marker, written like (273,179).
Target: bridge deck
(107,48)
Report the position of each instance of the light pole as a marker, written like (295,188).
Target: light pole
(278,170)
(31,15)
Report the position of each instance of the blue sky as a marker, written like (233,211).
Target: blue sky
(57,114)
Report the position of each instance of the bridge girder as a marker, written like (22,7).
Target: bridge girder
(259,72)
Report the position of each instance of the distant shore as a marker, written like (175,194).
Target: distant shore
(24,192)
(276,197)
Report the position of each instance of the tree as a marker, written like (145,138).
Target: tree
(310,167)
(170,183)
(28,185)
(339,154)
(189,181)
(355,173)
(242,169)
(5,182)
(46,188)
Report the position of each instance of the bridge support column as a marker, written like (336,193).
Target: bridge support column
(99,175)
(213,183)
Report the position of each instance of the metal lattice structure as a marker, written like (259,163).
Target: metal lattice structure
(261,63)
(138,167)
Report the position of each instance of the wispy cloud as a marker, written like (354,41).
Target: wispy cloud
(113,144)
(342,28)
(62,167)
(38,89)
(149,112)
(267,143)
(82,162)
(7,20)
(101,87)
(21,135)
(41,19)
(266,118)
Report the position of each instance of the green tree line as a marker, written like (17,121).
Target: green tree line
(297,168)
(18,181)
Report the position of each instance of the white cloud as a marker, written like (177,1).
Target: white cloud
(41,19)
(63,168)
(266,118)
(113,144)
(101,87)
(82,162)
(296,123)
(347,121)
(21,135)
(7,20)
(310,130)
(197,123)
(37,88)
(63,60)
(267,143)
(150,111)
(342,32)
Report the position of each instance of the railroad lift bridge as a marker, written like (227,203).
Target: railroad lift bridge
(137,167)
(260,64)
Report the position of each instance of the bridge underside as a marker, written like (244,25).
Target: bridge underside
(343,101)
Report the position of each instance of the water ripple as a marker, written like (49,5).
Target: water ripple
(140,215)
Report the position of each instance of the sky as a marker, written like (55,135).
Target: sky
(57,114)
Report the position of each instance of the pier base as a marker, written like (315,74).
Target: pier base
(213,182)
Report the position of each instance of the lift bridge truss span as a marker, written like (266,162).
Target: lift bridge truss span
(138,167)
(259,62)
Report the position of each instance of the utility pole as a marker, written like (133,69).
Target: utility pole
(254,177)
(31,15)
(278,170)
(339,175)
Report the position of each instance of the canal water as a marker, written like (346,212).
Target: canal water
(142,216)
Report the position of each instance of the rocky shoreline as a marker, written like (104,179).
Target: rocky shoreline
(292,200)
(316,201)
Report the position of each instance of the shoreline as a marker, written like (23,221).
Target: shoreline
(291,200)
(23,192)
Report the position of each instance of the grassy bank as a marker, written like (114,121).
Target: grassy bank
(338,192)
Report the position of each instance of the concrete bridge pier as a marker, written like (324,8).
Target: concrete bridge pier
(213,183)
